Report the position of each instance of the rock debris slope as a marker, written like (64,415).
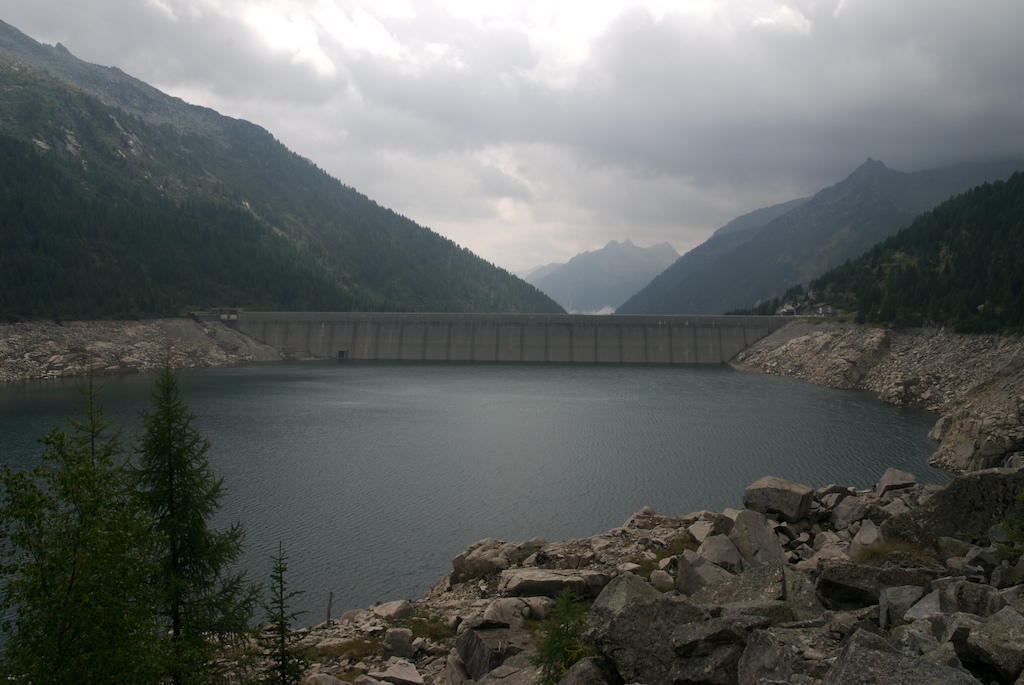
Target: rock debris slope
(832,586)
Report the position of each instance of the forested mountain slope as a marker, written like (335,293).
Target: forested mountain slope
(961,264)
(119,201)
(838,223)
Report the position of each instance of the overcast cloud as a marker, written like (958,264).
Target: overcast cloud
(529,131)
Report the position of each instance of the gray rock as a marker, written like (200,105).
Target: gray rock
(398,642)
(397,609)
(591,671)
(850,510)
(484,650)
(913,639)
(694,572)
(480,559)
(894,602)
(720,551)
(966,509)
(763,583)
(868,658)
(999,645)
(867,536)
(455,672)
(764,658)
(516,670)
(632,625)
(551,582)
(973,598)
(321,679)
(894,479)
(846,585)
(755,539)
(662,579)
(771,495)
(400,673)
(505,612)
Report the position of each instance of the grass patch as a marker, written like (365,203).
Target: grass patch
(358,649)
(428,627)
(677,547)
(895,551)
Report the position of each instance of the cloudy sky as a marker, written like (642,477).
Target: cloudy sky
(529,131)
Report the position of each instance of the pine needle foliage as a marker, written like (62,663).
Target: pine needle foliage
(278,640)
(78,553)
(205,603)
(562,641)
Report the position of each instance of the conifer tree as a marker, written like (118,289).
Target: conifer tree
(279,642)
(203,597)
(78,555)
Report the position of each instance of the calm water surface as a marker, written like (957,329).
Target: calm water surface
(375,475)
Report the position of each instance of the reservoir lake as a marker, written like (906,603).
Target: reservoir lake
(374,475)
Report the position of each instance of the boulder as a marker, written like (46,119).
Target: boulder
(765,583)
(632,625)
(532,582)
(455,672)
(662,579)
(1000,645)
(397,609)
(894,602)
(720,551)
(694,572)
(591,671)
(845,585)
(399,673)
(482,558)
(966,509)
(869,658)
(398,642)
(853,509)
(517,670)
(755,539)
(505,612)
(770,495)
(894,479)
(867,536)
(482,651)
(764,658)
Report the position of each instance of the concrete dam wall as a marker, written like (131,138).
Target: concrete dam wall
(552,338)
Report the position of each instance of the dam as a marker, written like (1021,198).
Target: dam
(538,338)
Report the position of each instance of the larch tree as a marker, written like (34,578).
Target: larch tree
(278,641)
(77,556)
(205,600)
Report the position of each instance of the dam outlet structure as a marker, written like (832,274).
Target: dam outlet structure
(538,338)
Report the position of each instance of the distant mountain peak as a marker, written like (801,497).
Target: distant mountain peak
(600,280)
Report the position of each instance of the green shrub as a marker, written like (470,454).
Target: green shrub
(561,641)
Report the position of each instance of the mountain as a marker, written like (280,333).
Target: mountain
(961,264)
(722,242)
(600,280)
(119,201)
(737,268)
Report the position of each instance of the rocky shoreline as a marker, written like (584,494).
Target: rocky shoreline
(974,382)
(901,583)
(45,349)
